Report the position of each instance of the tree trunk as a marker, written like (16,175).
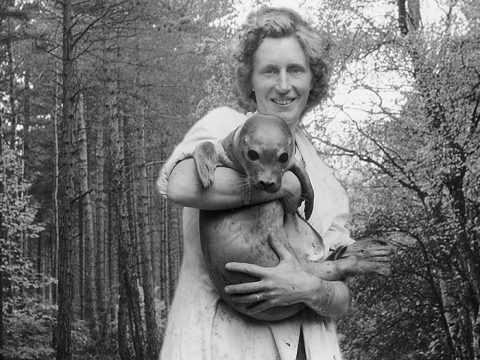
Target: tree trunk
(126,267)
(111,243)
(88,227)
(2,331)
(11,93)
(128,246)
(65,194)
(79,261)
(100,231)
(152,335)
(452,314)
(40,269)
(123,344)
(152,234)
(3,235)
(56,230)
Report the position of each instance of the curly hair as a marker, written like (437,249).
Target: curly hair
(278,23)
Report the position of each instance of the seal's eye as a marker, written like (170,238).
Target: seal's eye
(252,155)
(283,158)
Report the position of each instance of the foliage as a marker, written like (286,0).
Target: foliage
(29,334)
(385,307)
(413,149)
(85,347)
(19,226)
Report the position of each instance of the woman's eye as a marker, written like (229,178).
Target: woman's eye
(252,155)
(270,71)
(283,158)
(296,69)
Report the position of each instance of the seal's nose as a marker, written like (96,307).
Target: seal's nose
(267,185)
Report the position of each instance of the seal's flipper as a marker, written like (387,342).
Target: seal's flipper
(308,202)
(206,161)
(307,189)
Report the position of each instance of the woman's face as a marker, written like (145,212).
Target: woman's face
(281,78)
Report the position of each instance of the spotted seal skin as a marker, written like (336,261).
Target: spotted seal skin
(263,150)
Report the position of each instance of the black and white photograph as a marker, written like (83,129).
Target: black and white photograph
(240,180)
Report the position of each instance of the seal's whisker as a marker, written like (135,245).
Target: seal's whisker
(286,193)
(244,182)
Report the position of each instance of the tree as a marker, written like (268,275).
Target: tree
(114,62)
(418,153)
(86,207)
(152,333)
(66,193)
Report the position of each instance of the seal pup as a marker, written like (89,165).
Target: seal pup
(262,149)
(246,234)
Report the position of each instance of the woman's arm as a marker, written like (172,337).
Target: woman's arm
(289,283)
(228,191)
(331,298)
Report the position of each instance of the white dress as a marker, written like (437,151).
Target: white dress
(200,325)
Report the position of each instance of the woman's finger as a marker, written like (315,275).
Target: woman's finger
(244,288)
(261,306)
(279,248)
(250,269)
(247,299)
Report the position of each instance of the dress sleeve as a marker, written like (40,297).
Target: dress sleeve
(338,233)
(214,126)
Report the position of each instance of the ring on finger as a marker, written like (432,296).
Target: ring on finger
(258,296)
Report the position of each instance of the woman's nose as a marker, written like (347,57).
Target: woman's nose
(283,83)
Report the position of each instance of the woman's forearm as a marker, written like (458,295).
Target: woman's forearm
(331,298)
(228,191)
(185,188)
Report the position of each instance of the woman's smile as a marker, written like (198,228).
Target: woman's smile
(283,101)
(281,78)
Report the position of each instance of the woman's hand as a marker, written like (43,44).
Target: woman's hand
(285,284)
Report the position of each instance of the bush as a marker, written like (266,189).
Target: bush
(29,333)
(29,336)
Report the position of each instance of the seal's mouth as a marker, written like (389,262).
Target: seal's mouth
(283,101)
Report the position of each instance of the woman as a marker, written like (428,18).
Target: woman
(280,71)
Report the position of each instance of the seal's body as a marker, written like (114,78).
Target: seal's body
(263,149)
(242,235)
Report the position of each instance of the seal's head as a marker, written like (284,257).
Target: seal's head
(267,146)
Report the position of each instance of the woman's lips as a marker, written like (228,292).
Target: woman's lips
(283,101)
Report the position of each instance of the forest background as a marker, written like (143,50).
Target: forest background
(93,97)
